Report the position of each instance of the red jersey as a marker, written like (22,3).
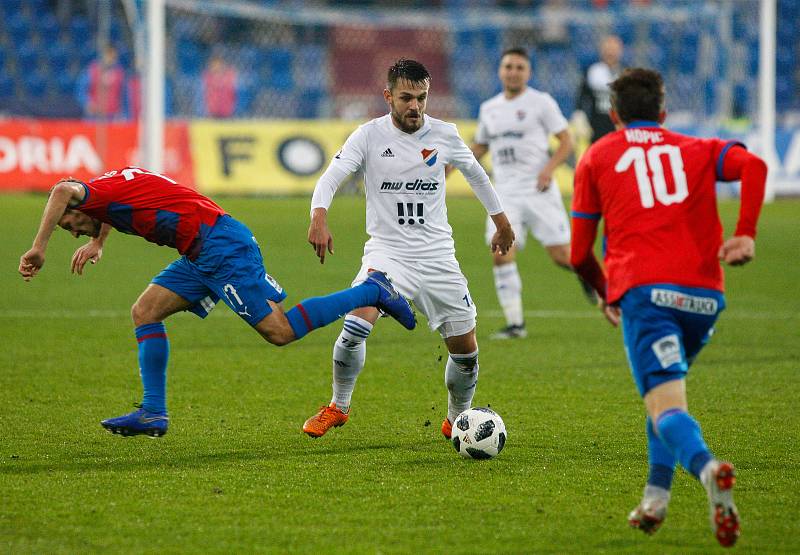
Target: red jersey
(140,202)
(656,191)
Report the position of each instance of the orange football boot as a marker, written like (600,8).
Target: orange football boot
(327,418)
(447,429)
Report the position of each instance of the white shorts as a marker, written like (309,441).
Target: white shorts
(540,213)
(436,287)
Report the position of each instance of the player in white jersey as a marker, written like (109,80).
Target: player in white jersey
(403,155)
(515,127)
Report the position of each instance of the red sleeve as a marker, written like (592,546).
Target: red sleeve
(97,195)
(586,212)
(582,255)
(585,199)
(752,171)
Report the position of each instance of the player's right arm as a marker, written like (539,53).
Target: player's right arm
(65,193)
(347,161)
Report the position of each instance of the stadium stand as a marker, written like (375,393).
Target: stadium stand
(313,70)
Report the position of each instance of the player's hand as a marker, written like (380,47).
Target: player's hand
(320,238)
(544,179)
(612,313)
(90,252)
(30,263)
(502,239)
(738,250)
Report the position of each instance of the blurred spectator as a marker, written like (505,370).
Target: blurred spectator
(134,95)
(594,96)
(105,80)
(219,88)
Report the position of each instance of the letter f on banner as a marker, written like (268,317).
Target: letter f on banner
(233,149)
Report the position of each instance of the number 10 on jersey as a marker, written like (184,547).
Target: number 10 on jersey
(649,162)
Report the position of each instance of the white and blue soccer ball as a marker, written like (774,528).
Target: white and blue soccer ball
(479,433)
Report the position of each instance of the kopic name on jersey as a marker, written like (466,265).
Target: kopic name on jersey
(419,186)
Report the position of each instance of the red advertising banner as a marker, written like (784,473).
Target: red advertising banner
(34,154)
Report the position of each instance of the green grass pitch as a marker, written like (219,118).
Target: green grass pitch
(235,473)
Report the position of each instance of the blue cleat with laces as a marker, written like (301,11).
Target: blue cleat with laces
(390,301)
(139,422)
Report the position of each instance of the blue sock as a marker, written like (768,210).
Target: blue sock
(662,462)
(317,312)
(682,436)
(153,356)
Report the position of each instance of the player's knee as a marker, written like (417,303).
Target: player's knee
(141,314)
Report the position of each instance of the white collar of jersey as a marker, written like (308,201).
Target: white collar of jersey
(524,92)
(426,126)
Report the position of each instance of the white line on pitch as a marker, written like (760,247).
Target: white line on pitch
(68,314)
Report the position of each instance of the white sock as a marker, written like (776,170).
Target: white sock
(656,492)
(349,354)
(460,377)
(508,285)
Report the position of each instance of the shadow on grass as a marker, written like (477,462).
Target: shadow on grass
(118,463)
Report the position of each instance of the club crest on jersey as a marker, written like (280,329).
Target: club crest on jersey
(429,156)
(520,115)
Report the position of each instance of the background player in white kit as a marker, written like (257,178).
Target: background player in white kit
(403,155)
(515,126)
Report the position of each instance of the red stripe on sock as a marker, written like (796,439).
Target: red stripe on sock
(151,336)
(306,319)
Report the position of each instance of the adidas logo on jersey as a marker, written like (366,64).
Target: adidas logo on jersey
(387,153)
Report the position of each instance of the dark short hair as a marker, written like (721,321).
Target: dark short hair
(516,50)
(638,94)
(409,70)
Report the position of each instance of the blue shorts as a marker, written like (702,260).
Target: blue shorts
(229,267)
(664,327)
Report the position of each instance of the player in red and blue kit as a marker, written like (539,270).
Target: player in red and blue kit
(221,260)
(655,189)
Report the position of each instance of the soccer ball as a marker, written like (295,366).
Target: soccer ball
(479,433)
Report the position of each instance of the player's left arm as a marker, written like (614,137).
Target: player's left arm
(586,214)
(65,193)
(738,163)
(477,178)
(90,252)
(463,159)
(545,177)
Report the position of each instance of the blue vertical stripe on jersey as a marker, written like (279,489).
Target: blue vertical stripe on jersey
(166,228)
(121,216)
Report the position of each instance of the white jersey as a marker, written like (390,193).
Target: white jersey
(405,184)
(517,132)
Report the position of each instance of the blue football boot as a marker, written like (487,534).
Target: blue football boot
(139,422)
(390,301)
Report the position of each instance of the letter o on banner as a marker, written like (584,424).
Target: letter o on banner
(301,156)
